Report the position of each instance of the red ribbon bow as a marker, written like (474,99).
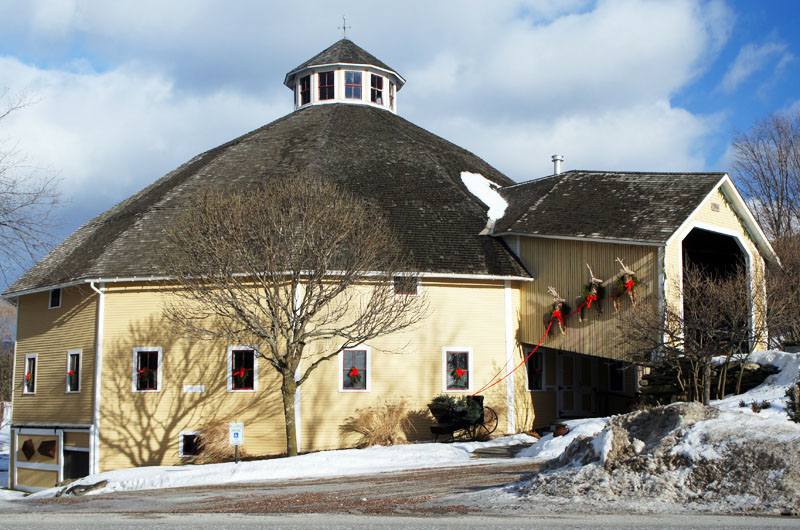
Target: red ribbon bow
(141,371)
(69,373)
(589,299)
(557,316)
(240,373)
(460,372)
(353,371)
(28,376)
(629,285)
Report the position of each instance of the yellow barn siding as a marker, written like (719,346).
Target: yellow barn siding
(562,265)
(725,219)
(36,478)
(50,334)
(408,366)
(76,439)
(143,428)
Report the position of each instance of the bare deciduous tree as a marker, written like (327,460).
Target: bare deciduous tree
(27,200)
(719,318)
(299,270)
(783,293)
(767,166)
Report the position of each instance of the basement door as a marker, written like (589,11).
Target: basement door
(577,377)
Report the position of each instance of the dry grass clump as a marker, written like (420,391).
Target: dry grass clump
(384,424)
(215,444)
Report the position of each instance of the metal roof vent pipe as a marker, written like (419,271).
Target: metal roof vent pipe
(557,160)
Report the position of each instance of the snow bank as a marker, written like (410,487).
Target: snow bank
(684,456)
(313,465)
(486,191)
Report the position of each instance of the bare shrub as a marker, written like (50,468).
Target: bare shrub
(215,444)
(384,424)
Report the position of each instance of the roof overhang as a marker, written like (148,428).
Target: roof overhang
(740,208)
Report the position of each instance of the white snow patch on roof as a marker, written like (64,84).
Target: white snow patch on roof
(486,191)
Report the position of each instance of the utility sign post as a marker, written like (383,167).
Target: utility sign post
(236,433)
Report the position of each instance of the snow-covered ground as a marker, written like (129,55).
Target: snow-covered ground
(684,457)
(723,458)
(313,465)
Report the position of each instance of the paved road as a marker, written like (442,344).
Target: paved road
(411,499)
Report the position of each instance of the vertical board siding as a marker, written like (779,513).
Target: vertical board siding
(50,333)
(562,265)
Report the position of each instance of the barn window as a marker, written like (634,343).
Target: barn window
(457,369)
(352,85)
(408,285)
(74,371)
(304,87)
(535,368)
(376,92)
(29,383)
(55,299)
(147,369)
(355,369)
(242,369)
(325,85)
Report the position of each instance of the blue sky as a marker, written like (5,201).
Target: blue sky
(126,92)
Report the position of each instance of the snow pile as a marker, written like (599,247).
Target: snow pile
(5,446)
(486,191)
(722,458)
(313,465)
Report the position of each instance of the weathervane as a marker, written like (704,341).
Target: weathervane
(344,27)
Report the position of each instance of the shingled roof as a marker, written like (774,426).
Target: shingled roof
(625,206)
(343,51)
(413,176)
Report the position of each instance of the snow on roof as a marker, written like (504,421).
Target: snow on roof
(486,191)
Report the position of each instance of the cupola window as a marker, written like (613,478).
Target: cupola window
(352,85)
(305,90)
(376,92)
(325,85)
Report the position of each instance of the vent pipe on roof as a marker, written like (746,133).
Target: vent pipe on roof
(557,159)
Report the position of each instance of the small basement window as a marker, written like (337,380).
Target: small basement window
(352,85)
(535,368)
(304,87)
(190,444)
(376,90)
(325,85)
(55,299)
(408,285)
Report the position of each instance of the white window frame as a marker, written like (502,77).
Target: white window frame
(368,382)
(70,353)
(60,298)
(180,443)
(544,372)
(35,357)
(136,363)
(231,349)
(470,368)
(344,85)
(419,287)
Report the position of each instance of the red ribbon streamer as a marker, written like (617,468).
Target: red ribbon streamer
(589,299)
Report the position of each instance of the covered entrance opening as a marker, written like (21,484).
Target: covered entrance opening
(566,384)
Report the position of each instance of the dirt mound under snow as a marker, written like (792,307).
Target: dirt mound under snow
(656,456)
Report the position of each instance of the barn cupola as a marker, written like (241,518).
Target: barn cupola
(345,73)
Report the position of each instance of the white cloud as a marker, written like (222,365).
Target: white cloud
(751,59)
